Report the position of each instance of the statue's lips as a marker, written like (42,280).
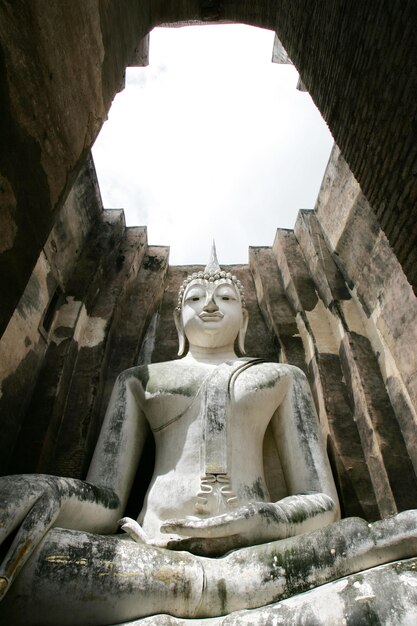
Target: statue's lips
(211,317)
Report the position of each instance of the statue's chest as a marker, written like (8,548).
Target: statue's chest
(213,396)
(171,394)
(202,424)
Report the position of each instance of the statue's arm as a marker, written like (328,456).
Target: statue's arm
(30,504)
(122,438)
(313,502)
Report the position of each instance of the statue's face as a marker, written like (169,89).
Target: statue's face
(211,313)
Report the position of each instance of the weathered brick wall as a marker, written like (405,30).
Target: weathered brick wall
(97,332)
(61,64)
(377,282)
(25,342)
(358,61)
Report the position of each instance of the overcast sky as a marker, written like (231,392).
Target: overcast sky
(212,140)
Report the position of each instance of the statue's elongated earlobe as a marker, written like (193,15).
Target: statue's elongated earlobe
(181,335)
(242,331)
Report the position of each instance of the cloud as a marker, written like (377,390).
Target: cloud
(212,139)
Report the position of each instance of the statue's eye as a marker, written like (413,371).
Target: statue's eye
(195,298)
(225,298)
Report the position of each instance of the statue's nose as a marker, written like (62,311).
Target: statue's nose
(210,305)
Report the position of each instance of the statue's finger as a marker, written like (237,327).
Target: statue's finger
(219,526)
(133,529)
(177,526)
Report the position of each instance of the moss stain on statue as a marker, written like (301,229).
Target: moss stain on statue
(254,492)
(222,593)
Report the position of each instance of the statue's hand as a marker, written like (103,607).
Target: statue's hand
(258,522)
(243,520)
(32,503)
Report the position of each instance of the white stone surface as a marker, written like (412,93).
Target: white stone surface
(89,331)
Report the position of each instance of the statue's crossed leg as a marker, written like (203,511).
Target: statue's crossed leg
(109,580)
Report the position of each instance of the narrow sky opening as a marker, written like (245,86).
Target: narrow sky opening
(211,140)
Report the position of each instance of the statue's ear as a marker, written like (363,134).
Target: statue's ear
(180,330)
(242,331)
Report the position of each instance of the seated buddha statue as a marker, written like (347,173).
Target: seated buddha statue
(209,539)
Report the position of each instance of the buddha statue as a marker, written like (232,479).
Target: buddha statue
(209,539)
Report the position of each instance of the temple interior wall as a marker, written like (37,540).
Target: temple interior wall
(328,296)
(61,66)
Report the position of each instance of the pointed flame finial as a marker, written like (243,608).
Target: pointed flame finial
(212,266)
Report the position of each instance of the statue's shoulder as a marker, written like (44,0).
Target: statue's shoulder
(270,373)
(165,377)
(284,368)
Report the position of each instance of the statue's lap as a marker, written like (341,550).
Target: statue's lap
(110,580)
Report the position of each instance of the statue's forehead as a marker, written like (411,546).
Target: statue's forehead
(210,281)
(211,286)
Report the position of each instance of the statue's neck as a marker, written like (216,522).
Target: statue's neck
(210,356)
